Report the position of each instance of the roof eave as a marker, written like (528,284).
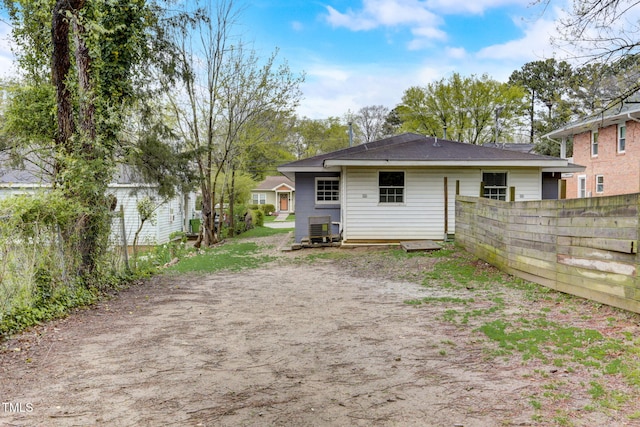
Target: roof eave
(449,163)
(592,124)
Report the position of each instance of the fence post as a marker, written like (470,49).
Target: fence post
(125,247)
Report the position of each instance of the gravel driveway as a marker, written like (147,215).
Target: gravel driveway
(299,342)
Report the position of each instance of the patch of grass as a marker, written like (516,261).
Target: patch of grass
(263,232)
(234,256)
(453,300)
(544,338)
(461,272)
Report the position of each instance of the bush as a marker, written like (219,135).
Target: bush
(257,217)
(268,209)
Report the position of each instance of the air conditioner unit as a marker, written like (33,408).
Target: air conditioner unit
(320,229)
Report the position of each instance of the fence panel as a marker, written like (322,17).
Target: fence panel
(586,247)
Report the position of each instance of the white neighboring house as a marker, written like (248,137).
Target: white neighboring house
(171,215)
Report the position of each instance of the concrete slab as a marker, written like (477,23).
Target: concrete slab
(420,245)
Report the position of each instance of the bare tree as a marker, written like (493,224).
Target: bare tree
(223,87)
(608,32)
(371,120)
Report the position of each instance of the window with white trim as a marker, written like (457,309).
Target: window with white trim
(599,183)
(582,186)
(594,143)
(259,199)
(328,190)
(495,185)
(622,138)
(391,187)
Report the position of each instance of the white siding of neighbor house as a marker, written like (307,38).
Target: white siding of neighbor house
(421,216)
(168,219)
(170,216)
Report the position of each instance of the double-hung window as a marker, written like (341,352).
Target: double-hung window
(327,190)
(391,187)
(622,138)
(599,183)
(582,186)
(495,185)
(259,198)
(594,143)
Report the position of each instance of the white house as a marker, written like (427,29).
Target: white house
(404,187)
(171,215)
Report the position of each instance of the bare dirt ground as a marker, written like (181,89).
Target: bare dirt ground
(295,343)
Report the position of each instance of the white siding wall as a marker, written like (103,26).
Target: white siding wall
(166,221)
(169,217)
(421,216)
(528,183)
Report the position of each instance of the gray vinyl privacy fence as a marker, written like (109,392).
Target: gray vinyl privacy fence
(585,247)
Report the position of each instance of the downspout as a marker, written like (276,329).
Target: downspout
(563,146)
(632,118)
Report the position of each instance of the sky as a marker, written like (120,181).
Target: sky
(356,53)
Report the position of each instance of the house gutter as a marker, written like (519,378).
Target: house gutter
(632,118)
(458,163)
(563,146)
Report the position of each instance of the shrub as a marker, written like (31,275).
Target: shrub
(268,209)
(257,217)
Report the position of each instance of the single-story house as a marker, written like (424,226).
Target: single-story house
(171,215)
(278,191)
(404,187)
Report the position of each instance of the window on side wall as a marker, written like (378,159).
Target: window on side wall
(391,187)
(582,186)
(495,185)
(259,199)
(599,183)
(594,143)
(328,190)
(622,138)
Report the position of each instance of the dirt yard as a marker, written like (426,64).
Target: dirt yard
(299,342)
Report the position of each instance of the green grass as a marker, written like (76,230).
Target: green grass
(232,257)
(235,255)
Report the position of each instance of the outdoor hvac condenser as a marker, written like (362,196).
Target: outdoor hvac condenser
(320,229)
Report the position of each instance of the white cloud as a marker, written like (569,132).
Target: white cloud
(333,90)
(414,14)
(383,13)
(474,7)
(456,52)
(534,45)
(7,65)
(297,26)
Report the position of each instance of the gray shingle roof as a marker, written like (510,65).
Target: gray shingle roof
(414,147)
(272,182)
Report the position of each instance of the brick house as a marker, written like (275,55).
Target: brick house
(609,147)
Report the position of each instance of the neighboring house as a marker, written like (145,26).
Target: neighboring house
(278,191)
(404,187)
(172,215)
(609,147)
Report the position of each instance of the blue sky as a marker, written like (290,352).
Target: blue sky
(368,52)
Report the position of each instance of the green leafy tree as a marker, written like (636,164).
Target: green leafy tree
(466,109)
(317,136)
(91,56)
(547,84)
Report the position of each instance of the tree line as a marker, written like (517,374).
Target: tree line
(173,91)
